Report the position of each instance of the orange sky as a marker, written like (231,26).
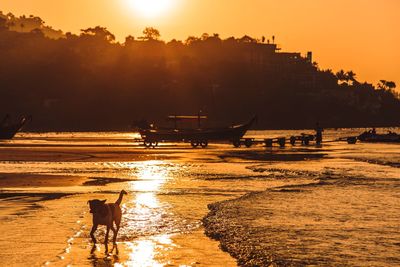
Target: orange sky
(361,35)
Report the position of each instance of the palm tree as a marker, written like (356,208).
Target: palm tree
(342,76)
(351,76)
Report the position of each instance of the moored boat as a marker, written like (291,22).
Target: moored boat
(389,137)
(9,129)
(197,137)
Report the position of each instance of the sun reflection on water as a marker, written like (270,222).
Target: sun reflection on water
(143,254)
(150,176)
(145,212)
(144,200)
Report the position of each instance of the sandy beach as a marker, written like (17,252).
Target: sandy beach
(333,205)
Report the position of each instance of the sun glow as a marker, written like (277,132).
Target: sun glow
(150,8)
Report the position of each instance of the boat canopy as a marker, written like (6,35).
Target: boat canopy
(182,117)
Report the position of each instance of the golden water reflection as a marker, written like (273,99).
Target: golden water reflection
(145,211)
(150,251)
(151,175)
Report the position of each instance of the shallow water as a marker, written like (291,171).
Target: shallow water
(170,187)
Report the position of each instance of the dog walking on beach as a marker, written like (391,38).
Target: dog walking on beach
(106,214)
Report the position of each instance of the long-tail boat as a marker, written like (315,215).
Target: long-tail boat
(9,129)
(372,137)
(197,137)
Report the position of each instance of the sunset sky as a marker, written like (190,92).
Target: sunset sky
(358,35)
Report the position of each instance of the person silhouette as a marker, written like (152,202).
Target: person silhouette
(318,133)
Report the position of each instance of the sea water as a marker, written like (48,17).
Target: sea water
(353,190)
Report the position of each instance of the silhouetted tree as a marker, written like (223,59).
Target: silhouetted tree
(150,33)
(386,85)
(10,16)
(191,40)
(204,36)
(99,32)
(342,76)
(351,76)
(129,40)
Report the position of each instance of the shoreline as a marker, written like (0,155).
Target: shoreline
(233,238)
(287,227)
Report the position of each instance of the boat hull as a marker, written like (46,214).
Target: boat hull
(8,131)
(379,138)
(200,135)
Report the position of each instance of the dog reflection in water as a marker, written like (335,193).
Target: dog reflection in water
(111,258)
(106,214)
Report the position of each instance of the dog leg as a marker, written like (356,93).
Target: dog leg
(106,248)
(117,223)
(94,228)
(93,249)
(107,232)
(115,247)
(116,231)
(115,234)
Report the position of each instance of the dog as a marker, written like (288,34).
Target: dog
(106,214)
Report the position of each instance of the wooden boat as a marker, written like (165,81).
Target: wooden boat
(390,137)
(197,137)
(9,129)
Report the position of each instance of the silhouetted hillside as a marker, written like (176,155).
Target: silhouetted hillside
(28,24)
(91,82)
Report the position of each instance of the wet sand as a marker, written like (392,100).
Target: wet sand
(315,233)
(348,217)
(43,207)
(326,206)
(12,180)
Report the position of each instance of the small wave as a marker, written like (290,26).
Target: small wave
(268,156)
(393,164)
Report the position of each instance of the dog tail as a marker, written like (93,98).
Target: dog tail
(121,195)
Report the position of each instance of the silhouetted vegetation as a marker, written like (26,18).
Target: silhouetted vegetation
(91,82)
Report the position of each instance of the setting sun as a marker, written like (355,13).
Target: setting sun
(199,133)
(150,8)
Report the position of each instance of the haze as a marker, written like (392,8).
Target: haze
(356,35)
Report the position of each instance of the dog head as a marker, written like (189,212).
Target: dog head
(96,205)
